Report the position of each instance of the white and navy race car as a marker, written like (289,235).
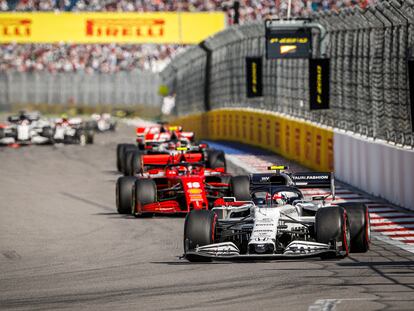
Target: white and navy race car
(268,218)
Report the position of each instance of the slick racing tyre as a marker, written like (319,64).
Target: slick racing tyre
(125,161)
(124,186)
(145,192)
(129,157)
(120,150)
(359,226)
(136,163)
(240,188)
(332,225)
(199,230)
(89,136)
(47,132)
(216,159)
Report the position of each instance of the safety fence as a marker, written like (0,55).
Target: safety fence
(369,86)
(79,89)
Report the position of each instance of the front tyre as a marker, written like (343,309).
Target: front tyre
(216,159)
(240,188)
(124,186)
(145,192)
(332,226)
(199,230)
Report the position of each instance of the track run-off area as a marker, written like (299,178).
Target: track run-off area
(64,246)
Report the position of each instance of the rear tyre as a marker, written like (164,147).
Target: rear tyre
(124,186)
(199,230)
(331,225)
(359,226)
(216,159)
(47,132)
(240,188)
(145,192)
(129,152)
(120,151)
(89,137)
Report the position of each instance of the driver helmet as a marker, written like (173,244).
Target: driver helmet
(171,146)
(278,199)
(182,170)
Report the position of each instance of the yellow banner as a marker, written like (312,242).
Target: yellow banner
(171,27)
(298,140)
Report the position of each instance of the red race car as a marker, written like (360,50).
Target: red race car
(171,184)
(157,139)
(158,134)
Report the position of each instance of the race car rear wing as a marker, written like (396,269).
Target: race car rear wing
(312,180)
(315,180)
(164,159)
(300,180)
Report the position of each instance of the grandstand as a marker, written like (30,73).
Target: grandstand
(114,58)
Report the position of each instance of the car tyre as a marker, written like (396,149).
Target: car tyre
(145,192)
(331,224)
(120,153)
(136,163)
(124,187)
(240,188)
(359,226)
(199,230)
(216,159)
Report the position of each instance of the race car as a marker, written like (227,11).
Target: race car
(26,128)
(268,218)
(150,136)
(72,131)
(103,122)
(133,160)
(171,185)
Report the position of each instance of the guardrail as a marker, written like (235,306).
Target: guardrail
(369,88)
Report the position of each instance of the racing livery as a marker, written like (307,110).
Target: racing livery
(268,218)
(171,183)
(72,131)
(26,128)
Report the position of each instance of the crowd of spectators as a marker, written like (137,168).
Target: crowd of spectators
(114,58)
(249,9)
(87,58)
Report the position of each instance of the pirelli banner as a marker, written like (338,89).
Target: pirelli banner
(319,79)
(169,27)
(288,43)
(254,84)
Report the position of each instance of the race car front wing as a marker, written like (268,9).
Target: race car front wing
(229,251)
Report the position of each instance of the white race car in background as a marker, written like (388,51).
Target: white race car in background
(103,122)
(72,131)
(26,128)
(268,218)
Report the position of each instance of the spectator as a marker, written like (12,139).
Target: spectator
(112,58)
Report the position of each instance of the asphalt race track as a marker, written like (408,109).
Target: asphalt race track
(63,246)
